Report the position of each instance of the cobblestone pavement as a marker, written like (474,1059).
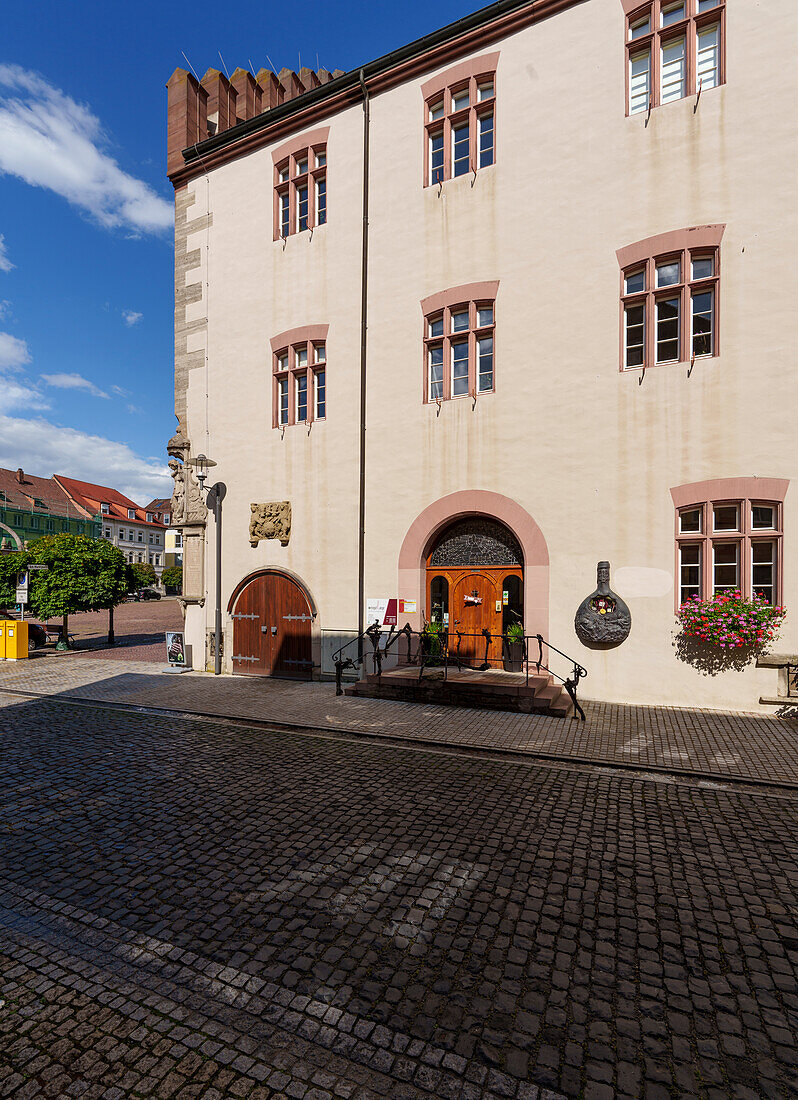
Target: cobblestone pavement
(139,629)
(195,909)
(746,746)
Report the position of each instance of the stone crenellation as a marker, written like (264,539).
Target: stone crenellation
(200,109)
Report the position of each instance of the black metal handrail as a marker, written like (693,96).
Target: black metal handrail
(433,648)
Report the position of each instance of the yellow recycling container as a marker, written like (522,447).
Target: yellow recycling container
(2,639)
(16,640)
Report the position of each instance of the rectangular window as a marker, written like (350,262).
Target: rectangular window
(690,521)
(673,71)
(635,335)
(141,536)
(726,517)
(302,208)
(460,368)
(689,571)
(460,149)
(485,140)
(763,570)
(436,373)
(671,14)
(763,517)
(708,57)
(301,190)
(667,330)
(673,50)
(282,396)
(130,536)
(703,327)
(460,129)
(321,395)
(485,364)
(320,353)
(285,214)
(639,81)
(151,538)
(726,564)
(301,397)
(436,157)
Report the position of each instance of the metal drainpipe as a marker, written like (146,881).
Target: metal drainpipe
(361,549)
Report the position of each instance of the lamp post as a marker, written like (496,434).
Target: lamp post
(214,496)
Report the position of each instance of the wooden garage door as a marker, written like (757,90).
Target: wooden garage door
(272,623)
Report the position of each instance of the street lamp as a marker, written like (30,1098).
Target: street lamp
(214,495)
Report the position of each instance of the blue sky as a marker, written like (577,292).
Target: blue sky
(86,281)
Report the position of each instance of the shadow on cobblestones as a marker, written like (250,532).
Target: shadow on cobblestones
(444,924)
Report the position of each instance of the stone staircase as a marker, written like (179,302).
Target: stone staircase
(494,689)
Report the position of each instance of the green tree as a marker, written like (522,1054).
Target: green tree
(173,577)
(83,574)
(142,575)
(11,563)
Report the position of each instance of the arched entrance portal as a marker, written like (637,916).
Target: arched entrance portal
(475,581)
(272,622)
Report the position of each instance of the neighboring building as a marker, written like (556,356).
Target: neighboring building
(35,506)
(560,335)
(161,510)
(134,530)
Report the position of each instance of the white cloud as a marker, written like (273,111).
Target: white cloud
(131,317)
(73,382)
(16,394)
(50,141)
(5,263)
(5,309)
(44,448)
(120,392)
(13,352)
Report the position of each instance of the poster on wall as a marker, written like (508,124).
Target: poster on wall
(381,611)
(175,648)
(388,610)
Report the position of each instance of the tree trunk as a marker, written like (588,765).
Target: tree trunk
(111,638)
(64,641)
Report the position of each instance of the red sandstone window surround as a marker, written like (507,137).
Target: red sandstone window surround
(299,376)
(300,184)
(729,537)
(460,119)
(674,48)
(670,288)
(459,342)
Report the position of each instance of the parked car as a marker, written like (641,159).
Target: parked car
(148,594)
(37,635)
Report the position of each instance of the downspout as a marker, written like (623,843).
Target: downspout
(361,548)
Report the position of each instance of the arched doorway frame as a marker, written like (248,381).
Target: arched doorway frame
(478,502)
(315,626)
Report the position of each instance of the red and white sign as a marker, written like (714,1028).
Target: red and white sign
(386,611)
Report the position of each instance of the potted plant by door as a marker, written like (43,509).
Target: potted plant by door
(514,648)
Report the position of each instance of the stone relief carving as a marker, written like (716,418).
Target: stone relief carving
(603,618)
(178,446)
(270,521)
(188,505)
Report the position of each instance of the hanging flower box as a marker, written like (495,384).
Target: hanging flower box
(730,621)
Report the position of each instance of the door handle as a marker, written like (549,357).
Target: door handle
(264,630)
(274,631)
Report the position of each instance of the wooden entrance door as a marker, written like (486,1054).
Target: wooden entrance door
(272,623)
(473,608)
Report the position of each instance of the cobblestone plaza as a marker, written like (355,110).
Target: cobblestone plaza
(196,907)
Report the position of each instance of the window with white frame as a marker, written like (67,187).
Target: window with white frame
(729,546)
(674,48)
(300,383)
(459,350)
(669,306)
(300,190)
(460,128)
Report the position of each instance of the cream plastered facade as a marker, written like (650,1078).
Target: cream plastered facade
(590,453)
